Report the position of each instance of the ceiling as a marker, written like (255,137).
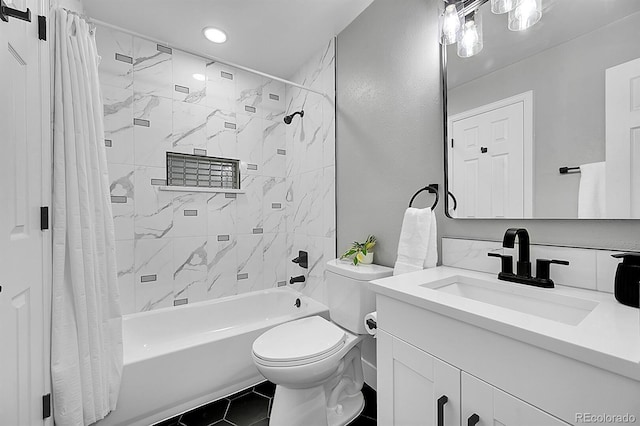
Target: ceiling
(562,20)
(272,36)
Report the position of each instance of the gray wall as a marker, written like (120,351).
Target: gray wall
(568,83)
(389,130)
(389,121)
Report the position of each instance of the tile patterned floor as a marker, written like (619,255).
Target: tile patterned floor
(252,407)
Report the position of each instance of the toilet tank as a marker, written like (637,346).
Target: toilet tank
(348,293)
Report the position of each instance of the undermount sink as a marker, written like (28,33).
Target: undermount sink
(517,297)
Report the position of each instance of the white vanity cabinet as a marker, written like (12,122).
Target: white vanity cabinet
(423,355)
(416,388)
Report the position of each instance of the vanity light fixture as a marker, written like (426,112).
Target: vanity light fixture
(451,22)
(471,42)
(215,35)
(525,15)
(503,6)
(461,22)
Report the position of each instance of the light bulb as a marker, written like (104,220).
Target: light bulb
(215,35)
(525,15)
(503,6)
(450,24)
(470,42)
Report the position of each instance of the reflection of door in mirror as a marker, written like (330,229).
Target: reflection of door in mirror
(490,159)
(623,140)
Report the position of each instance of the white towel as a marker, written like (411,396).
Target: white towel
(591,195)
(417,248)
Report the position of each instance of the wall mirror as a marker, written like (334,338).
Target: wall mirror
(545,123)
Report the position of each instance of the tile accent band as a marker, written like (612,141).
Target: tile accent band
(223,238)
(282,283)
(282,152)
(197,151)
(190,212)
(276,205)
(124,58)
(108,143)
(141,122)
(243,276)
(118,199)
(257,230)
(148,278)
(252,167)
(159,182)
(179,302)
(164,49)
(249,108)
(181,89)
(274,97)
(228,125)
(226,75)
(230,195)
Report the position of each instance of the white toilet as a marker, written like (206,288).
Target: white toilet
(315,363)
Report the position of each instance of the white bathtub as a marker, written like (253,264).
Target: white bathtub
(176,359)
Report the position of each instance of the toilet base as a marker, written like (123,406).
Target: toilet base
(295,407)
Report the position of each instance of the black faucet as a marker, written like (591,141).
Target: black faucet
(523,265)
(298,279)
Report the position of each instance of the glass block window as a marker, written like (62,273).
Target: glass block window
(202,171)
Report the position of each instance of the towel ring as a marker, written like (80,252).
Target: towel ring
(433,189)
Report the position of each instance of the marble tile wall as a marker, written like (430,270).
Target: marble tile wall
(310,171)
(158,99)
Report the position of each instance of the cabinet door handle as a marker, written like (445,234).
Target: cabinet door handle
(473,420)
(441,401)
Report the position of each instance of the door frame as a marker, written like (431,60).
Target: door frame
(526,98)
(46,109)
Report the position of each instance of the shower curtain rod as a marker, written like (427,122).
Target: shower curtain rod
(210,58)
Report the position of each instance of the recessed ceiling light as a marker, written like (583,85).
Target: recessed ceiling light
(215,35)
(199,77)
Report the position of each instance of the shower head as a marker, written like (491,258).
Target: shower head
(288,118)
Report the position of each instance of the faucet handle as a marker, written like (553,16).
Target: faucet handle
(542,267)
(507,262)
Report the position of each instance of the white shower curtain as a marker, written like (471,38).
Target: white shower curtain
(86,339)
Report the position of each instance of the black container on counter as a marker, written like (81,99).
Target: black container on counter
(627,285)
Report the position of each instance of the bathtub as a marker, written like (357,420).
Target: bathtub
(176,359)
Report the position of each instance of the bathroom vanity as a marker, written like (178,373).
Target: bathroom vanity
(461,347)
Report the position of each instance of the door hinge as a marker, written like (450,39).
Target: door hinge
(7,12)
(46,406)
(451,142)
(42,28)
(44,218)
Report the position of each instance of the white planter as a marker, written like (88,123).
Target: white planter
(368,258)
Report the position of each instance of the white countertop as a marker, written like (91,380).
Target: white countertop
(609,337)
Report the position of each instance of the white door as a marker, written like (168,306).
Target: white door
(22,307)
(623,140)
(490,161)
(412,385)
(491,406)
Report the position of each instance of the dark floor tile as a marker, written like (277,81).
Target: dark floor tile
(240,393)
(363,421)
(247,409)
(370,405)
(263,422)
(207,414)
(222,423)
(174,421)
(266,388)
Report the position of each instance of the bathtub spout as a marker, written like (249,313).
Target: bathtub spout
(298,279)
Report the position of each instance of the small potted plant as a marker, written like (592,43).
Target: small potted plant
(361,252)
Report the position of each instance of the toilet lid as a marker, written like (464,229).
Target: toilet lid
(307,339)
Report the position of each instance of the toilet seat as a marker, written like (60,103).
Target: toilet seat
(299,342)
